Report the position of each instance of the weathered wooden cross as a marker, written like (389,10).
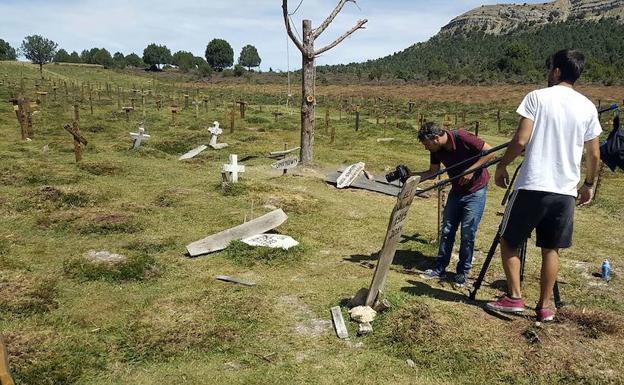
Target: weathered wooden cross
(138,137)
(230,171)
(78,139)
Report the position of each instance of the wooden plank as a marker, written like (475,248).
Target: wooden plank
(5,376)
(339,324)
(286,164)
(75,134)
(221,240)
(225,278)
(393,235)
(361,182)
(194,152)
(349,175)
(277,154)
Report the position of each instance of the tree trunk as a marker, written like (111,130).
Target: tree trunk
(41,70)
(307,95)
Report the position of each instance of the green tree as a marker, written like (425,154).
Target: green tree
(219,54)
(6,51)
(85,56)
(157,55)
(184,60)
(61,56)
(119,60)
(204,69)
(74,57)
(38,50)
(249,57)
(134,60)
(102,57)
(239,70)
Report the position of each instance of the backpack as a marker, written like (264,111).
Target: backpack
(612,150)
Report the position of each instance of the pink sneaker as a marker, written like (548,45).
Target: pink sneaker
(545,315)
(507,305)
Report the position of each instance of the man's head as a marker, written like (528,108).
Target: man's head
(565,66)
(432,136)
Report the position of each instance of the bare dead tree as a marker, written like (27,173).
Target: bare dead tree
(309,54)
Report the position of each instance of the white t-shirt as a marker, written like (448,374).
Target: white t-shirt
(563,120)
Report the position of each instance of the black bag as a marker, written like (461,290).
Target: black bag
(612,150)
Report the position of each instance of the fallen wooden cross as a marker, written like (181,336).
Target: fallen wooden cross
(225,278)
(78,139)
(194,152)
(349,175)
(222,239)
(393,235)
(339,324)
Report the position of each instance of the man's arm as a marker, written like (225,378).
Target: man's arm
(592,159)
(515,148)
(433,168)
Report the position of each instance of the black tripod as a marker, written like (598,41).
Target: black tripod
(521,252)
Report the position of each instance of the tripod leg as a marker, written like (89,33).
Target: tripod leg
(557,295)
(486,265)
(522,254)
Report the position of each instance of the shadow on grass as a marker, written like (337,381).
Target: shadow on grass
(422,289)
(407,259)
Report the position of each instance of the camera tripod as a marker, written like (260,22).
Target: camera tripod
(521,252)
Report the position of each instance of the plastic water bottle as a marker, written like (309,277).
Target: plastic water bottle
(606,270)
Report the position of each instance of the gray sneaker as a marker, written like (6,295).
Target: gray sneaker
(459,280)
(431,274)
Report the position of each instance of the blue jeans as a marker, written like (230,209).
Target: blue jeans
(467,211)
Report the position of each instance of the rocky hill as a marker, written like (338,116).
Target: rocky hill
(505,18)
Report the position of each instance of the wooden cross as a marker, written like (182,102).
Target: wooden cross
(139,137)
(78,139)
(277,114)
(127,110)
(174,111)
(230,171)
(242,106)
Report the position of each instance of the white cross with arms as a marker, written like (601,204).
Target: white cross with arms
(233,169)
(139,137)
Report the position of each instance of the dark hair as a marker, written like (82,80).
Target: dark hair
(570,62)
(429,130)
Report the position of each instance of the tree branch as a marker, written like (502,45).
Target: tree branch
(318,31)
(289,28)
(359,25)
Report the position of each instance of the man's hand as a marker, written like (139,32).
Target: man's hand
(585,196)
(464,180)
(502,176)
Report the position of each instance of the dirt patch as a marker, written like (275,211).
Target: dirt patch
(25,294)
(110,223)
(171,197)
(293,203)
(414,325)
(307,324)
(592,323)
(133,268)
(102,168)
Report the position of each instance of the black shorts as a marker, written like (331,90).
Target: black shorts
(550,214)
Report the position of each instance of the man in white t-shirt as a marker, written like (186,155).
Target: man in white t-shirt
(556,124)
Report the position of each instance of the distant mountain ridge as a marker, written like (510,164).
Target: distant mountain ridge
(505,18)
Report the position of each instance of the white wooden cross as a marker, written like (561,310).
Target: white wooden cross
(215,130)
(139,137)
(230,171)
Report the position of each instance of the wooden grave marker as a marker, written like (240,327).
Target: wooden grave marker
(127,111)
(284,163)
(230,171)
(139,137)
(242,106)
(215,131)
(78,139)
(194,152)
(175,109)
(393,235)
(5,374)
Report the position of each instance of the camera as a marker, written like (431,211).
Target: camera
(400,173)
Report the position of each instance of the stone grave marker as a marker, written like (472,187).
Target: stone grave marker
(230,171)
(215,131)
(139,137)
(194,152)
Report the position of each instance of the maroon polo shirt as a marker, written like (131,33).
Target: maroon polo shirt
(464,145)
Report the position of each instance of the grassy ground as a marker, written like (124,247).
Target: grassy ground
(162,317)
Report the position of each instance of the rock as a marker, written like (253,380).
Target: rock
(362,314)
(410,363)
(105,257)
(364,329)
(382,306)
(359,298)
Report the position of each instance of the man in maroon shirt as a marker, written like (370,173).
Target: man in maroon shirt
(466,201)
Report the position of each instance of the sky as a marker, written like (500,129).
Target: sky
(130,25)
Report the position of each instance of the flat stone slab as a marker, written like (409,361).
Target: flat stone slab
(105,257)
(273,241)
